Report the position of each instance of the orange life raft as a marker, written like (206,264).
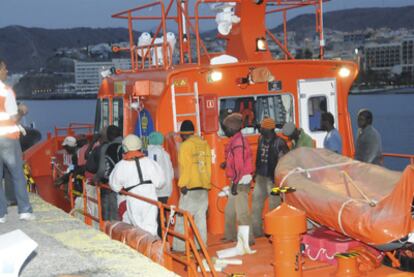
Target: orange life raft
(363,201)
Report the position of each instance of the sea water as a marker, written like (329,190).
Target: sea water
(392,118)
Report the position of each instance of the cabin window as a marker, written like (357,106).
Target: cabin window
(97,117)
(316,106)
(255,108)
(118,112)
(104,114)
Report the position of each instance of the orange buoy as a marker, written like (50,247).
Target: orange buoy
(285,224)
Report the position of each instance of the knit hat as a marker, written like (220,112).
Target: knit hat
(268,123)
(288,129)
(233,121)
(69,141)
(156,138)
(187,127)
(131,143)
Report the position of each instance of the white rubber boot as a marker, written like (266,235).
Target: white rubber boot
(242,246)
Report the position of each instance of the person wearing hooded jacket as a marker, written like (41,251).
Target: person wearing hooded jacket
(270,149)
(194,160)
(139,175)
(239,169)
(157,153)
(110,154)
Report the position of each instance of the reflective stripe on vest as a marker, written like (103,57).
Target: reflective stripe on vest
(8,127)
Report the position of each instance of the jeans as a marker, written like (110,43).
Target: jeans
(9,188)
(109,205)
(261,192)
(11,157)
(163,200)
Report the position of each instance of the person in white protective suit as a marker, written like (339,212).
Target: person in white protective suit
(139,175)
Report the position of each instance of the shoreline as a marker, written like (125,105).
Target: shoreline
(63,97)
(376,91)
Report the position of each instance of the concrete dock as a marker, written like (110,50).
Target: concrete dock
(68,247)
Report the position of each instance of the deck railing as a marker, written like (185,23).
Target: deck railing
(188,28)
(409,157)
(190,236)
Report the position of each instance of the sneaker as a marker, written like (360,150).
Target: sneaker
(27,216)
(3,219)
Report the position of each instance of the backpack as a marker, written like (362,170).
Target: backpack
(113,155)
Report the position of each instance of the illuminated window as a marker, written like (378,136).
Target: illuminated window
(255,108)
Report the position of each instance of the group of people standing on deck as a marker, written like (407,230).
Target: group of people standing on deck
(122,163)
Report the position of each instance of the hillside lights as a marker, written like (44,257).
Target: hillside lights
(214,76)
(261,44)
(344,72)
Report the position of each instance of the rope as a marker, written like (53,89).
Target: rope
(370,201)
(170,221)
(308,170)
(340,215)
(321,251)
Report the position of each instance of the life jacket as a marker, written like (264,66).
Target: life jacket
(247,112)
(8,127)
(132,155)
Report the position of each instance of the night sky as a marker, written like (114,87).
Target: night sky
(54,14)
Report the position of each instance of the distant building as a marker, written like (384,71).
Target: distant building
(88,74)
(407,55)
(388,56)
(88,77)
(14,79)
(123,64)
(65,88)
(356,38)
(382,56)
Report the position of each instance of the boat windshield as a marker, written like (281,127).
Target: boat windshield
(255,108)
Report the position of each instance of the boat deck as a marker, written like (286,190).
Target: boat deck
(261,263)
(69,247)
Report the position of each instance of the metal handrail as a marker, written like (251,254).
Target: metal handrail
(410,157)
(189,228)
(88,217)
(72,127)
(127,14)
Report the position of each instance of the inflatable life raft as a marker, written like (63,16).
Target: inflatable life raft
(366,202)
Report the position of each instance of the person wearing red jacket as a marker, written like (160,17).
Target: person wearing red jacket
(239,169)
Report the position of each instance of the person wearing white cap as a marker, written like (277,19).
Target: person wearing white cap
(140,175)
(70,159)
(69,141)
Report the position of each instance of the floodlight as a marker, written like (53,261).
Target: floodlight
(344,72)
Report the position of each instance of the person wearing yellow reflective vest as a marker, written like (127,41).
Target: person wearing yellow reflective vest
(194,160)
(10,150)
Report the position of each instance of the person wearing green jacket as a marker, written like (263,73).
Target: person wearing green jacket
(298,136)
